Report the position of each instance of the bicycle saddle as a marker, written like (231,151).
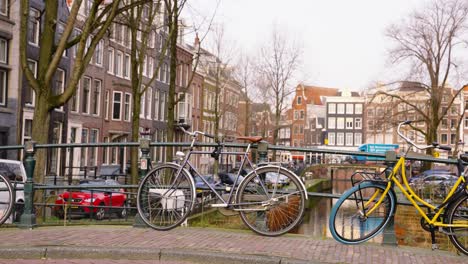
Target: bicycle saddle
(253,139)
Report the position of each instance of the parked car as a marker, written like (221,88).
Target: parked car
(433,177)
(83,201)
(273,179)
(16,174)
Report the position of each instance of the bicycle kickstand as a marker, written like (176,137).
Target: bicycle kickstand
(433,238)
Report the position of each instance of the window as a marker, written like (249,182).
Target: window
(149,99)
(150,67)
(299,100)
(106,105)
(119,64)
(4,7)
(110,61)
(59,85)
(84,151)
(331,123)
(93,138)
(96,97)
(27,130)
(3,51)
(340,108)
(370,112)
(126,67)
(349,123)
(156,104)
(370,125)
(340,139)
(331,139)
(162,113)
(117,105)
(142,104)
(453,139)
(466,122)
(86,95)
(34,26)
(357,139)
(296,115)
(98,53)
(444,124)
(340,123)
(302,115)
(75,99)
(127,104)
(349,139)
(331,108)
(349,108)
(358,123)
(145,66)
(3,87)
(443,139)
(30,96)
(358,108)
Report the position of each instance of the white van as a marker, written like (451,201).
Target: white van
(15,172)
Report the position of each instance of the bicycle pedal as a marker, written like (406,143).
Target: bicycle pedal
(219,205)
(435,246)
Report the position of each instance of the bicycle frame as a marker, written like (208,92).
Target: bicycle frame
(186,163)
(417,200)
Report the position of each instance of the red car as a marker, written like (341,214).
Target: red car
(83,200)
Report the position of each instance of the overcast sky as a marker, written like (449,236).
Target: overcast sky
(343,41)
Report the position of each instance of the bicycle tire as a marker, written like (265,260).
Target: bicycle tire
(163,200)
(458,211)
(6,199)
(347,223)
(270,204)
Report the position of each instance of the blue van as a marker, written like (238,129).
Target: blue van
(375,148)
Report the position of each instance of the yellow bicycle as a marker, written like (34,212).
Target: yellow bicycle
(363,211)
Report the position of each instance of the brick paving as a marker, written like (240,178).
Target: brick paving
(104,242)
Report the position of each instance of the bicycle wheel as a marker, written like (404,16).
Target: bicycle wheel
(165,198)
(357,217)
(6,199)
(457,213)
(271,200)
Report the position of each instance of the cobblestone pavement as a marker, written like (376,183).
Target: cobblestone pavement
(116,244)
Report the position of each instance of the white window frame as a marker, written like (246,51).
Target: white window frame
(127,112)
(61,89)
(119,64)
(349,139)
(106,104)
(358,123)
(88,98)
(126,66)
(37,22)
(340,123)
(156,104)
(357,139)
(120,105)
(149,99)
(349,123)
(99,54)
(340,108)
(332,123)
(350,109)
(340,137)
(3,87)
(332,108)
(358,109)
(33,93)
(110,60)
(96,101)
(4,51)
(143,104)
(5,4)
(331,139)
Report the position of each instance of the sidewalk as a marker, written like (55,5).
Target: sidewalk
(200,245)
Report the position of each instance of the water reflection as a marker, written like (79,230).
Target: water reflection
(316,218)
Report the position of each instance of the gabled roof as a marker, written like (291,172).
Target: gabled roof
(313,94)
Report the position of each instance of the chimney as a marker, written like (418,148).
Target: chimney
(196,43)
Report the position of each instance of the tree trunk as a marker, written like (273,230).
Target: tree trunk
(135,137)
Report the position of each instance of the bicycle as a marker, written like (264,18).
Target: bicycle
(270,199)
(7,199)
(364,210)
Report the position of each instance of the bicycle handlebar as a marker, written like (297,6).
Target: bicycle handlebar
(434,145)
(195,133)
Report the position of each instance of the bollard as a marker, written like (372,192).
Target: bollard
(28,218)
(389,236)
(144,163)
(262,151)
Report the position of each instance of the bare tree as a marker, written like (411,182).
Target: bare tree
(429,41)
(244,74)
(277,65)
(100,15)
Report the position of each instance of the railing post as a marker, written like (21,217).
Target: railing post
(389,236)
(144,163)
(262,150)
(28,218)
